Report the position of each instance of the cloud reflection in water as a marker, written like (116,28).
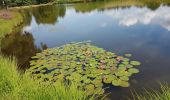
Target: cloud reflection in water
(135,15)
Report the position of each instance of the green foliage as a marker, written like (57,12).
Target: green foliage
(44,1)
(128,55)
(24,2)
(110,3)
(135,63)
(88,7)
(83,63)
(21,46)
(13,86)
(21,2)
(163,94)
(50,16)
(8,24)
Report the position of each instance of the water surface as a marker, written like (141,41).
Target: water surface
(136,27)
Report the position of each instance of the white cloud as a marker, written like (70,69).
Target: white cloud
(135,15)
(90,14)
(27,28)
(103,25)
(129,21)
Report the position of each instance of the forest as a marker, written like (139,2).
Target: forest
(23,2)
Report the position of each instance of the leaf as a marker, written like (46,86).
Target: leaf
(133,70)
(124,78)
(115,82)
(123,83)
(135,63)
(81,62)
(128,55)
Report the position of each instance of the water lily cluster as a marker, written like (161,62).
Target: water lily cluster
(89,66)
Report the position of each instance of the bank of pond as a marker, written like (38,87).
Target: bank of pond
(76,71)
(73,70)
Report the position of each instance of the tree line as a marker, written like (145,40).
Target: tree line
(5,3)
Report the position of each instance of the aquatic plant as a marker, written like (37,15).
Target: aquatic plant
(85,64)
(153,94)
(17,86)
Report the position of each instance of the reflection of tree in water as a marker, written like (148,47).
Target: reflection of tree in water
(21,46)
(43,46)
(27,16)
(153,5)
(88,7)
(48,14)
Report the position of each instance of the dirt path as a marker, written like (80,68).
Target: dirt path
(5,14)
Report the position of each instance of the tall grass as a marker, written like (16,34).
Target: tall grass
(14,86)
(163,94)
(7,25)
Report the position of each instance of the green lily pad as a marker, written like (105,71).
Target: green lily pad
(124,78)
(133,70)
(135,63)
(115,83)
(128,55)
(123,83)
(83,63)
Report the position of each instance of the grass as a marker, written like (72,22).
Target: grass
(30,6)
(14,86)
(164,94)
(7,24)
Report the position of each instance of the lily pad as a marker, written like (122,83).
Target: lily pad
(81,62)
(133,70)
(135,63)
(128,55)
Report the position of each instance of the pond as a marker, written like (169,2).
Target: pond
(141,28)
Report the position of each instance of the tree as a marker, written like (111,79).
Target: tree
(50,16)
(44,1)
(23,2)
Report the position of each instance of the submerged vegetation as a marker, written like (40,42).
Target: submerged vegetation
(14,86)
(89,66)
